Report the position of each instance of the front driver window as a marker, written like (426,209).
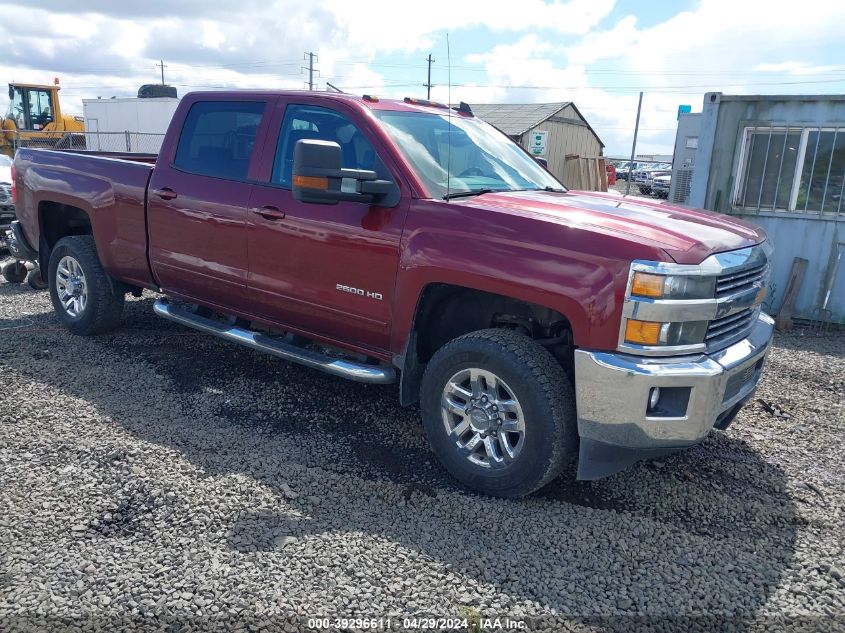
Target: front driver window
(312,122)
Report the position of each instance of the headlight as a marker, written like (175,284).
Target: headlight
(672,286)
(671,334)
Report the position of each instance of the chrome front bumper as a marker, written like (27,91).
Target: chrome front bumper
(612,391)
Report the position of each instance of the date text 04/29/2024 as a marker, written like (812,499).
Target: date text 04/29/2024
(416,623)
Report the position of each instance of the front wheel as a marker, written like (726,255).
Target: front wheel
(83,295)
(499,412)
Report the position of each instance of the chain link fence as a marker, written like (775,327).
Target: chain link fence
(123,142)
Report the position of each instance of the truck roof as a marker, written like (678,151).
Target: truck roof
(373,102)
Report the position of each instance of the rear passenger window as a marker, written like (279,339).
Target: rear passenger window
(218,138)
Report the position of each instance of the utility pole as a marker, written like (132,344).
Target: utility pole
(428,85)
(311,57)
(163,66)
(634,145)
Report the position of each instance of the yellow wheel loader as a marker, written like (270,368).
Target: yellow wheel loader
(35,119)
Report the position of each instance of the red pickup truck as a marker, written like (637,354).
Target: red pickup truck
(386,240)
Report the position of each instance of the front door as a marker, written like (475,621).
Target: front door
(198,204)
(325,269)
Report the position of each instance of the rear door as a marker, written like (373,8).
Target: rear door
(327,270)
(198,197)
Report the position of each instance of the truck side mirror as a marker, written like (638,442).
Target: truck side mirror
(319,177)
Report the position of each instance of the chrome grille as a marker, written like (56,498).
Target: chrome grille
(737,281)
(722,332)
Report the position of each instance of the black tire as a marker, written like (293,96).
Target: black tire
(34,279)
(544,392)
(104,304)
(14,272)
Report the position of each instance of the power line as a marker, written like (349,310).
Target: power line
(274,63)
(390,83)
(832,75)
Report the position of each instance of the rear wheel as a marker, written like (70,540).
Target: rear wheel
(83,295)
(34,279)
(499,412)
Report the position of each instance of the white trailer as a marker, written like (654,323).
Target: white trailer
(127,125)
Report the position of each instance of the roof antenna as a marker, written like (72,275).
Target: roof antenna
(449,115)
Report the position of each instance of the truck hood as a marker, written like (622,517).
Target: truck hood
(688,236)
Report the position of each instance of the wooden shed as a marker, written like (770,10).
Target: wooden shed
(556,132)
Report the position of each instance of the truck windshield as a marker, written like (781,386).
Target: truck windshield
(474,156)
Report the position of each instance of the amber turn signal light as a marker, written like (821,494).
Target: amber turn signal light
(311,182)
(642,332)
(646,285)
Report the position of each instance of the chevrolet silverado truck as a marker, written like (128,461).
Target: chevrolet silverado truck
(406,241)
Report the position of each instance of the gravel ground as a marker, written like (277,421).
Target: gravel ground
(160,478)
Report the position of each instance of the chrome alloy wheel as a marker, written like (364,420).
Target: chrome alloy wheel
(483,417)
(71,286)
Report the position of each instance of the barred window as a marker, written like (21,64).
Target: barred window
(769,171)
(791,169)
(823,173)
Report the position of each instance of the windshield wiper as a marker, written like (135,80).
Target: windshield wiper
(464,194)
(478,192)
(552,189)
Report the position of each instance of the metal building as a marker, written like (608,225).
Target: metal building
(779,161)
(556,132)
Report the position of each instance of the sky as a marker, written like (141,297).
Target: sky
(597,53)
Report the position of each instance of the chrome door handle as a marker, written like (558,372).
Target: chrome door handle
(165,193)
(270,213)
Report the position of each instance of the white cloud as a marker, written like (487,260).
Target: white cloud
(387,25)
(719,45)
(211,34)
(584,51)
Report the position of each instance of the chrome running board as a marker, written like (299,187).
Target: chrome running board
(359,372)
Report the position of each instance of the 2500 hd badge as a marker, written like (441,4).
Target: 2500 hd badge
(360,292)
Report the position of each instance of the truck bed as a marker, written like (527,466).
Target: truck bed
(110,188)
(135,157)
